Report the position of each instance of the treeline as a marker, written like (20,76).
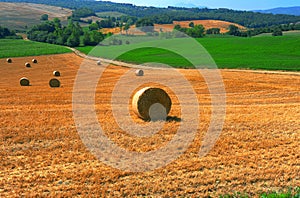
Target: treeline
(107,22)
(168,15)
(112,22)
(71,35)
(275,30)
(5,33)
(244,18)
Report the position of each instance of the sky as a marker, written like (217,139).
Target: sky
(232,4)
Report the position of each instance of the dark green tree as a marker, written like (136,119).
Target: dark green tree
(44,17)
(73,41)
(93,26)
(196,32)
(213,31)
(86,38)
(145,25)
(233,30)
(277,32)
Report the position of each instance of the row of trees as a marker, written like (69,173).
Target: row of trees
(195,31)
(6,33)
(71,35)
(275,30)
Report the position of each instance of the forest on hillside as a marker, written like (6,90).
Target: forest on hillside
(168,15)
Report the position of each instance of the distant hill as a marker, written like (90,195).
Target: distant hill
(186,5)
(287,10)
(171,13)
(18,16)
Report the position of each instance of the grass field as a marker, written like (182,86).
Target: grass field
(269,53)
(21,48)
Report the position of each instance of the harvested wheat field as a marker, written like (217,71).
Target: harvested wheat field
(42,153)
(223,25)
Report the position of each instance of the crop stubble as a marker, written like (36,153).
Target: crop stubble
(42,154)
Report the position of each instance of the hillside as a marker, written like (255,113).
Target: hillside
(21,15)
(286,10)
(170,14)
(223,25)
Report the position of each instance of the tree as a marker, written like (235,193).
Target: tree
(196,32)
(233,30)
(86,38)
(277,32)
(44,17)
(73,41)
(96,37)
(93,26)
(177,27)
(213,31)
(127,27)
(146,25)
(191,24)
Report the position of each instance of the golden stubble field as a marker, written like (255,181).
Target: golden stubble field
(207,24)
(43,155)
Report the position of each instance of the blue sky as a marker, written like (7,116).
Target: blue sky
(232,4)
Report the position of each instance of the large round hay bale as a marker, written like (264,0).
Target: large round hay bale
(27,64)
(34,61)
(151,104)
(24,82)
(139,72)
(56,73)
(9,60)
(98,62)
(54,82)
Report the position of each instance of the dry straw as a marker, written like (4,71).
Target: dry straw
(54,82)
(24,81)
(27,64)
(56,73)
(139,72)
(9,60)
(148,97)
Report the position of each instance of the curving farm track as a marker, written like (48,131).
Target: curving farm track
(42,153)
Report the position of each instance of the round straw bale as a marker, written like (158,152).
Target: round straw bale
(98,62)
(24,81)
(56,73)
(139,72)
(27,64)
(9,60)
(151,104)
(34,61)
(54,82)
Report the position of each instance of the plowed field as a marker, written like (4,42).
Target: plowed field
(42,153)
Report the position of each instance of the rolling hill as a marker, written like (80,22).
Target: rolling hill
(223,25)
(286,10)
(21,15)
(168,15)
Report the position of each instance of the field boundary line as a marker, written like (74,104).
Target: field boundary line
(129,65)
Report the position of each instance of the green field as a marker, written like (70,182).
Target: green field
(110,14)
(21,48)
(269,53)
